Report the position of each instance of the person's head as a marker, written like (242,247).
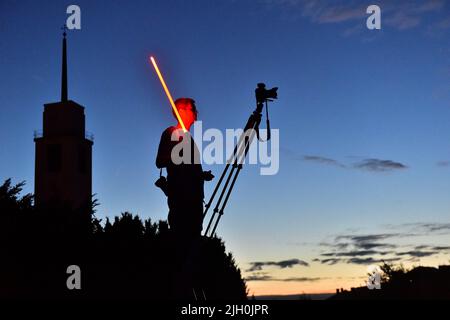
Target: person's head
(187,110)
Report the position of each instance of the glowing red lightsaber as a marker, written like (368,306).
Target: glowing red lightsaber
(168,93)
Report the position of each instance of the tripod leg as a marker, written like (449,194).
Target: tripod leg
(216,208)
(236,153)
(253,121)
(239,154)
(239,168)
(215,189)
(204,295)
(241,150)
(226,199)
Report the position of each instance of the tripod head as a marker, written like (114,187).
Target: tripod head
(264,95)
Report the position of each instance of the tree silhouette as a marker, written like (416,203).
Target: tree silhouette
(397,282)
(123,258)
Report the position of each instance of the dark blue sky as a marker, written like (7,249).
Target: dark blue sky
(350,98)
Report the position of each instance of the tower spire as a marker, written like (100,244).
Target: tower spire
(64,67)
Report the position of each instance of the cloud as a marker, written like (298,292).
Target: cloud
(321,11)
(358,245)
(377,165)
(366,261)
(419,227)
(266,277)
(357,249)
(417,253)
(373,245)
(369,164)
(358,253)
(259,277)
(329,261)
(323,160)
(359,240)
(400,14)
(301,279)
(426,227)
(354,30)
(406,14)
(259,265)
(444,163)
(357,260)
(350,253)
(403,20)
(336,14)
(428,6)
(374,248)
(441,248)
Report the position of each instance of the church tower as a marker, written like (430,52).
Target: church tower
(63,163)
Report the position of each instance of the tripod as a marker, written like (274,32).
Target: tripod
(239,154)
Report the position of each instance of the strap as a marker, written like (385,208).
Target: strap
(267,125)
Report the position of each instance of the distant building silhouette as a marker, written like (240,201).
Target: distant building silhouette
(63,163)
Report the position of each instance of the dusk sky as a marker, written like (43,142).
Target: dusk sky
(363,117)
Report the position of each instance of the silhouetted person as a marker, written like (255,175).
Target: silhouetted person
(184,180)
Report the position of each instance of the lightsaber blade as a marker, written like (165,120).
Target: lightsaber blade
(169,96)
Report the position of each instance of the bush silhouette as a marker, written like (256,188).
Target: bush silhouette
(124,258)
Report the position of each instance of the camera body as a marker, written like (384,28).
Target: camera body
(262,94)
(162,184)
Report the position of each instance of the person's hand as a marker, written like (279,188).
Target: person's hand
(207,175)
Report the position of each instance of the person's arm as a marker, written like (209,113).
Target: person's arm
(164,151)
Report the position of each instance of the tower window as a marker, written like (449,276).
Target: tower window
(54,157)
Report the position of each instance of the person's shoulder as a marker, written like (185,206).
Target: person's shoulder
(168,131)
(172,132)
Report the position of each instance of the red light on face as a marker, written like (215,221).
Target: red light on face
(169,96)
(187,111)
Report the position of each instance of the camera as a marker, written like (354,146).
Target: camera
(262,94)
(162,184)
